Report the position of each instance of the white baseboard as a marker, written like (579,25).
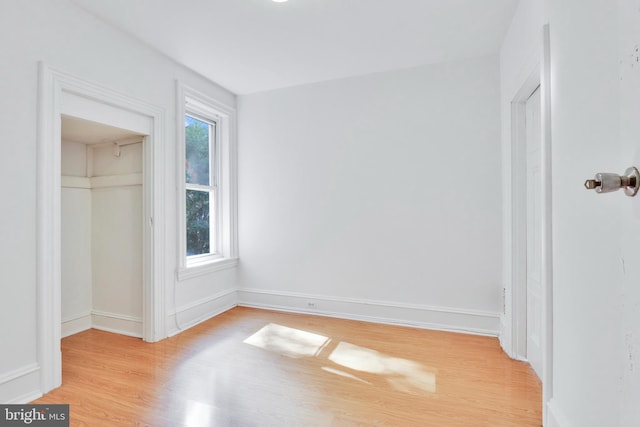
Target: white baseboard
(555,417)
(189,315)
(104,321)
(76,324)
(21,385)
(117,323)
(419,316)
(25,398)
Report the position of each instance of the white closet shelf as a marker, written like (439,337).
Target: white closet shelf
(101,181)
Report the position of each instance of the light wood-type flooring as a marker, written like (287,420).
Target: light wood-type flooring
(250,367)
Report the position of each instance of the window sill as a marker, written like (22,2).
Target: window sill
(205,268)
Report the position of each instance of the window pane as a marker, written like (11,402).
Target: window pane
(197,150)
(198,224)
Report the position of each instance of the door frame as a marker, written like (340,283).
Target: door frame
(519,215)
(53,86)
(514,334)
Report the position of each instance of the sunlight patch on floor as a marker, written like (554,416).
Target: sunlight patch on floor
(343,374)
(401,374)
(288,341)
(198,413)
(404,375)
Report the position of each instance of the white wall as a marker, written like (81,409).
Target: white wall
(69,39)
(595,104)
(383,188)
(521,49)
(73,159)
(76,252)
(117,241)
(76,281)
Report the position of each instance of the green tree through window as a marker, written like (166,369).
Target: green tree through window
(198,229)
(197,151)
(198,147)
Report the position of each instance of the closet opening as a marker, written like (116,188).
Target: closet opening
(102,228)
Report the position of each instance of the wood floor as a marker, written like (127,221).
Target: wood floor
(251,367)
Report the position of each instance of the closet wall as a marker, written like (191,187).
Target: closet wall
(76,240)
(101,238)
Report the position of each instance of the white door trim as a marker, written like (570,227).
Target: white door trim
(547,229)
(514,339)
(518,259)
(52,85)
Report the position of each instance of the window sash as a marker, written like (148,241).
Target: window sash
(211,189)
(200,219)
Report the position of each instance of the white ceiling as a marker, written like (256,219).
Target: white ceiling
(88,132)
(255,45)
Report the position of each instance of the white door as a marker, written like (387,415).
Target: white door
(534,232)
(627,214)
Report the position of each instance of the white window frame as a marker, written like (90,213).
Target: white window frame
(223,226)
(211,188)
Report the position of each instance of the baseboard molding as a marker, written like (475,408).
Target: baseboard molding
(104,321)
(116,323)
(25,398)
(555,417)
(189,315)
(75,324)
(21,385)
(412,315)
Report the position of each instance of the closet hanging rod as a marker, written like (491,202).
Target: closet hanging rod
(124,142)
(121,142)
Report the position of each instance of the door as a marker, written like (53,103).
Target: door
(534,231)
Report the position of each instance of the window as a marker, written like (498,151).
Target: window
(200,181)
(206,172)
